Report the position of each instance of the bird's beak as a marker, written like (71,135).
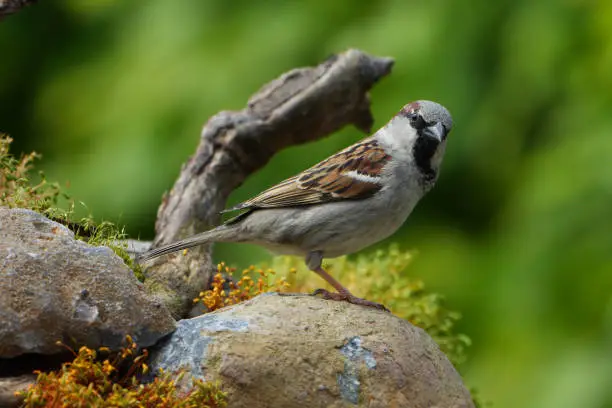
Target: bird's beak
(437,131)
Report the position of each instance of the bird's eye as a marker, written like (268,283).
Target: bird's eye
(417,121)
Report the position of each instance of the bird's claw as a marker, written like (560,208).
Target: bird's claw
(348,297)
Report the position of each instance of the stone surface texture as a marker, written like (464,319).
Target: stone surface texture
(302,351)
(53,287)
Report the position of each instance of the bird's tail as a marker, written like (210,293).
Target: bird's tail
(216,234)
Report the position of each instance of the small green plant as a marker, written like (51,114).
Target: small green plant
(91,380)
(18,189)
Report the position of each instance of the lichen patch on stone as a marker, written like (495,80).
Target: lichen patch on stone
(190,340)
(348,380)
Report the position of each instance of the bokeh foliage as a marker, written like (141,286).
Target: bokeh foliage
(518,232)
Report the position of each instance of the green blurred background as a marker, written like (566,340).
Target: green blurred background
(518,232)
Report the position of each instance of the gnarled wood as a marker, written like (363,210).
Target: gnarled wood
(8,7)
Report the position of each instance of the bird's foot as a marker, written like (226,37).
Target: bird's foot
(348,297)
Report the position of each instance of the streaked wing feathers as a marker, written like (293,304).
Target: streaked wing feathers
(350,174)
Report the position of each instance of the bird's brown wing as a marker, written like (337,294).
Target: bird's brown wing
(350,174)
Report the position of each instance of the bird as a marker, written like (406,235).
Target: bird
(345,203)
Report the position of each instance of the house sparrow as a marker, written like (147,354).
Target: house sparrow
(347,202)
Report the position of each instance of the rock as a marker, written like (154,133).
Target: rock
(302,351)
(53,287)
(10,385)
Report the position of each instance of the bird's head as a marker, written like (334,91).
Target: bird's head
(419,132)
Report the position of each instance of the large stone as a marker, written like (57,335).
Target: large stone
(281,351)
(53,287)
(9,386)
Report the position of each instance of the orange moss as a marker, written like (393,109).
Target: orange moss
(93,381)
(224,293)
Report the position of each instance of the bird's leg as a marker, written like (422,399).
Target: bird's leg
(343,293)
(314,260)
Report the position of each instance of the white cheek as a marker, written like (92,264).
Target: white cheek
(398,137)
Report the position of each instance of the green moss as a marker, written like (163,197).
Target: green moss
(16,187)
(19,190)
(103,234)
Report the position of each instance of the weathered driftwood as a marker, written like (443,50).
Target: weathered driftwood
(12,6)
(301,105)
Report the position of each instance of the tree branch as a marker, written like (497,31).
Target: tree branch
(301,105)
(12,6)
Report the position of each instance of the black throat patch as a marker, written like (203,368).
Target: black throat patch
(423,150)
